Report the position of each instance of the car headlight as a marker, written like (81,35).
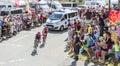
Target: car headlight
(57,23)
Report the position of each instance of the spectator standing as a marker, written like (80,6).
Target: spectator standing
(11,28)
(76,47)
(88,15)
(1,23)
(102,25)
(4,30)
(70,43)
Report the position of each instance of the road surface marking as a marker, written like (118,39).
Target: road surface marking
(16,60)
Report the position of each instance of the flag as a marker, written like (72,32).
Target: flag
(114,16)
(27,6)
(17,3)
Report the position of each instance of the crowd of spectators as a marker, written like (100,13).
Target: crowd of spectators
(11,25)
(94,35)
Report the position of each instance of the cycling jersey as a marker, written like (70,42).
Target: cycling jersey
(45,31)
(38,37)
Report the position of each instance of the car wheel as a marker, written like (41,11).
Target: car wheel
(61,28)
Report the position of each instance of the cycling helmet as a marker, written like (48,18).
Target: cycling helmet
(38,33)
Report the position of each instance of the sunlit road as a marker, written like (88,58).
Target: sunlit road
(17,50)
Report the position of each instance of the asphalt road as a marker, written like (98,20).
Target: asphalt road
(17,50)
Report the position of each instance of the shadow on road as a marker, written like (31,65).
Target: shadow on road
(73,63)
(42,45)
(67,48)
(34,53)
(57,32)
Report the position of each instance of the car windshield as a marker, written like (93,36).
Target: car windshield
(55,16)
(44,6)
(80,6)
(66,5)
(19,11)
(3,13)
(58,5)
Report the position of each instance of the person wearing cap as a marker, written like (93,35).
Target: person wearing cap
(104,48)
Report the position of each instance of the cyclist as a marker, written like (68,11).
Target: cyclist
(44,34)
(37,41)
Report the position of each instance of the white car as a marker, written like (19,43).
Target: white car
(94,4)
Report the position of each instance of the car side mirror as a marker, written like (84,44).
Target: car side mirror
(62,19)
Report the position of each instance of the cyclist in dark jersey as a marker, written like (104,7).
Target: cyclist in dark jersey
(37,41)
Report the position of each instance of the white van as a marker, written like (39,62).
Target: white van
(13,11)
(58,20)
(94,4)
(69,5)
(42,5)
(55,5)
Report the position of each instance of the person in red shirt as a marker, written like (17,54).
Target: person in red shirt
(75,24)
(41,18)
(44,34)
